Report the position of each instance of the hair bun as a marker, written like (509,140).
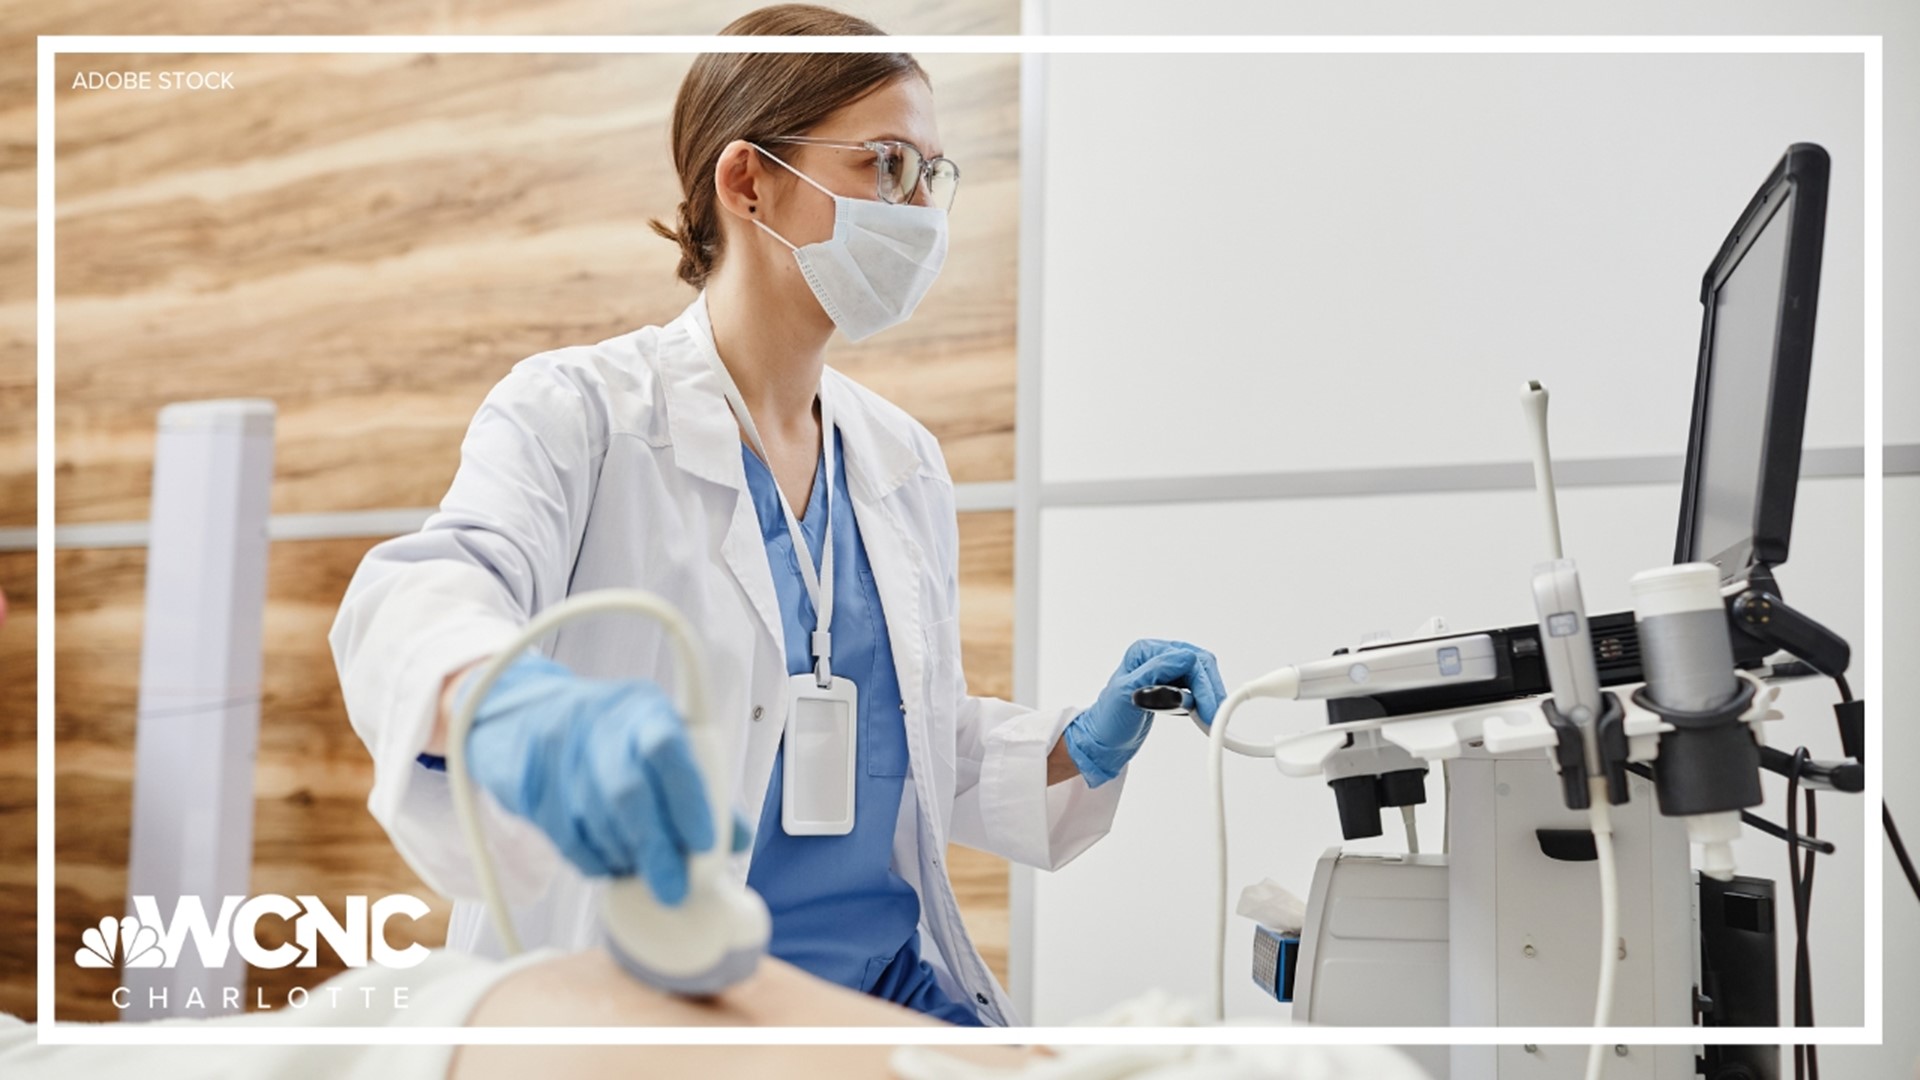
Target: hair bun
(696,250)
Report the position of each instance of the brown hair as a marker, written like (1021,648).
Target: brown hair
(755,96)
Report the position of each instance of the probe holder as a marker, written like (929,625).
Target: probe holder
(1710,761)
(1570,753)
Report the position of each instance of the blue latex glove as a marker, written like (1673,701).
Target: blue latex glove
(1104,738)
(602,766)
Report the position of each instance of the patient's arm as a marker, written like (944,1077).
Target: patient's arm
(588,990)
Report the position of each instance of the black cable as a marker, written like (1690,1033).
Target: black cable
(1793,878)
(1900,849)
(1811,843)
(1886,814)
(1806,914)
(1805,1059)
(1793,884)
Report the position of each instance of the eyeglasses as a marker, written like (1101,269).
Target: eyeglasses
(899,169)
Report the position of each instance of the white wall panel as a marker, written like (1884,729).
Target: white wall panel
(1278,262)
(1896,21)
(1265,583)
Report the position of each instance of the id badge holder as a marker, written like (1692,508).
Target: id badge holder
(816,797)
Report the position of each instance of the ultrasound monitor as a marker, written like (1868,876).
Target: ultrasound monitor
(1750,387)
(1743,454)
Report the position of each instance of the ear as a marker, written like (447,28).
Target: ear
(741,182)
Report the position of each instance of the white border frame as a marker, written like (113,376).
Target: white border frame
(1027,500)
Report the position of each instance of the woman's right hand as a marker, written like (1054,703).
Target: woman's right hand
(602,766)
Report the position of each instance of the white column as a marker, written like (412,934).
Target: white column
(200,663)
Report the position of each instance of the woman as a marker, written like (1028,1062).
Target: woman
(804,525)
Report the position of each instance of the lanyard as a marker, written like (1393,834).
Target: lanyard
(820,585)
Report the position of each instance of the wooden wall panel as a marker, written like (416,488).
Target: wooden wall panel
(18,819)
(312,833)
(372,241)
(986,651)
(284,144)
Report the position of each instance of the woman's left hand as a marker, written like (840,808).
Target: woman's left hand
(1104,738)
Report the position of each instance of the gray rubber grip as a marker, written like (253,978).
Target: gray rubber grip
(1688,658)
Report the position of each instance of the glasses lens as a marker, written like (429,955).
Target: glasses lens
(943,181)
(891,170)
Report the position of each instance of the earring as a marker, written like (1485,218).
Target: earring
(750,209)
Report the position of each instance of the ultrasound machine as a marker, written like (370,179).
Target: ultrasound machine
(1599,766)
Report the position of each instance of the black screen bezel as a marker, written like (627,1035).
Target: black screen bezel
(1802,172)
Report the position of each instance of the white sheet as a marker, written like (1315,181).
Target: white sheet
(1175,1063)
(1159,1009)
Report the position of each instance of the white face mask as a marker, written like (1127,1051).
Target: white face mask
(879,263)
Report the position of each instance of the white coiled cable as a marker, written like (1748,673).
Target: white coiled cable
(694,947)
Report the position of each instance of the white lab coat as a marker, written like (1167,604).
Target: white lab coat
(619,465)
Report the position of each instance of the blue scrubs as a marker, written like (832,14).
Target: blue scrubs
(839,910)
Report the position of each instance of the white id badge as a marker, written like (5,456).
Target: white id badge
(816,798)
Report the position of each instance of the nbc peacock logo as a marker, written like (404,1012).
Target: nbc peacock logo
(125,940)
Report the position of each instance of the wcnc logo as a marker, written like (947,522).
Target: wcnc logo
(146,940)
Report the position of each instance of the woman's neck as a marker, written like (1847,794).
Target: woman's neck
(775,355)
